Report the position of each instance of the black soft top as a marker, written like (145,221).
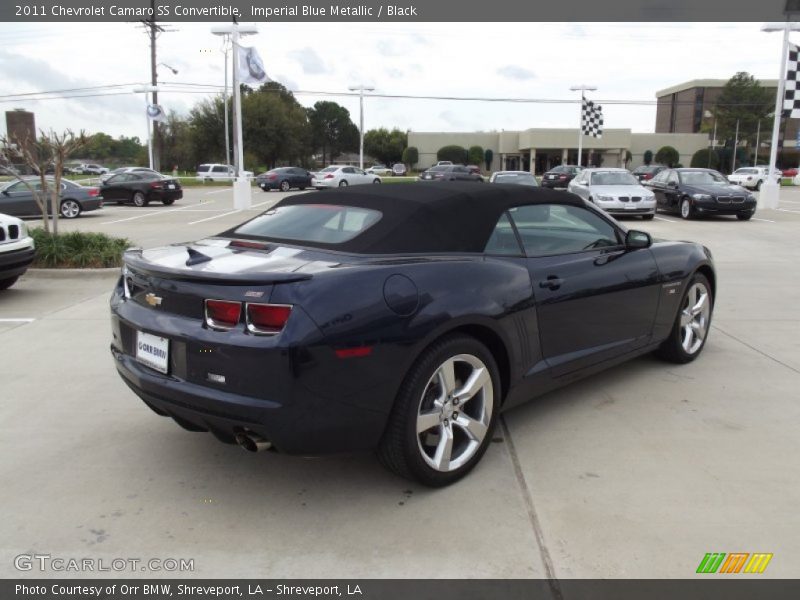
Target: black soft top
(427,217)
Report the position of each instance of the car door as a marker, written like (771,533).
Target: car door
(16,200)
(672,191)
(115,188)
(595,298)
(579,185)
(658,184)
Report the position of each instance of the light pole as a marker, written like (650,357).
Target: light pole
(583,88)
(174,70)
(770,189)
(735,146)
(147,89)
(242,194)
(708,114)
(361,89)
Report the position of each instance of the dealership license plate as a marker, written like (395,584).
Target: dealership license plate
(152,351)
(171,186)
(631,207)
(551,176)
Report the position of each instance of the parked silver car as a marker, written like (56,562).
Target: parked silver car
(616,191)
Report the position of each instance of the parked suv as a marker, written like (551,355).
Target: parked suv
(218,172)
(16,250)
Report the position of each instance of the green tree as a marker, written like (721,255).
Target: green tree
(648,157)
(455,154)
(475,155)
(411,156)
(743,99)
(488,157)
(207,131)
(667,155)
(384,145)
(331,130)
(705,158)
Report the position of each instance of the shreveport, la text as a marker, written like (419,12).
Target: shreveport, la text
(166,589)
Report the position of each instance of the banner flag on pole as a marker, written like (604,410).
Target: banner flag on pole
(592,119)
(251,67)
(156,113)
(791,95)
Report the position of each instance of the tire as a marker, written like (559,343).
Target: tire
(687,212)
(7,283)
(168,201)
(744,216)
(70,209)
(139,199)
(285,186)
(690,331)
(302,188)
(420,455)
(648,217)
(376,181)
(343,183)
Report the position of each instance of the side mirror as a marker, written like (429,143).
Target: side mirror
(637,239)
(5,192)
(672,184)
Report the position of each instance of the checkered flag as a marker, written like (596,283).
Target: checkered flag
(592,119)
(791,97)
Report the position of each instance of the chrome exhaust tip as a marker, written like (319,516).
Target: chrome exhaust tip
(252,442)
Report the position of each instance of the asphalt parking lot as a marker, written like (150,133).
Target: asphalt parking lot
(636,472)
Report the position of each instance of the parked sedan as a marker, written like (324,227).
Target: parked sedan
(141,189)
(17,199)
(398,318)
(379,170)
(342,176)
(515,177)
(647,172)
(17,250)
(616,191)
(284,179)
(449,173)
(697,192)
(117,171)
(399,169)
(559,177)
(90,169)
(753,177)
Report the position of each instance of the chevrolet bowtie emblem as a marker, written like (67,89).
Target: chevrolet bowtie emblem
(152,299)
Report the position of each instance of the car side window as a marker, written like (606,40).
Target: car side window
(503,240)
(348,170)
(220,169)
(548,229)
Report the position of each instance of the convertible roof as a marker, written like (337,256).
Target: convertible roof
(429,217)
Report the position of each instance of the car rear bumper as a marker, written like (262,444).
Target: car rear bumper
(166,195)
(92,203)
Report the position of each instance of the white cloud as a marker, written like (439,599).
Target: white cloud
(516,72)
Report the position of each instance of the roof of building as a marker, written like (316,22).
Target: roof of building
(707,83)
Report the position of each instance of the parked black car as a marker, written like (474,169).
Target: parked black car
(141,188)
(697,192)
(646,172)
(284,179)
(450,173)
(560,176)
(402,318)
(17,200)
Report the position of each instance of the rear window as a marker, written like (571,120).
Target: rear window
(317,223)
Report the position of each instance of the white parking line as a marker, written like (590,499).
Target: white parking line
(217,191)
(17,320)
(188,207)
(663,219)
(232,212)
(764,220)
(797,212)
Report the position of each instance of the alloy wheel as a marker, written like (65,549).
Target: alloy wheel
(70,209)
(695,315)
(455,412)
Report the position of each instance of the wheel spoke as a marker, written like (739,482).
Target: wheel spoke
(686,318)
(475,429)
(700,303)
(444,449)
(688,339)
(474,384)
(447,376)
(427,421)
(699,330)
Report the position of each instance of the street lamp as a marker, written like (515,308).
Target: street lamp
(147,89)
(708,114)
(174,70)
(583,88)
(242,197)
(770,189)
(361,89)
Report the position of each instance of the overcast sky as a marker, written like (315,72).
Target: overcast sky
(626,61)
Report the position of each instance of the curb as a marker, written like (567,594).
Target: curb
(72,273)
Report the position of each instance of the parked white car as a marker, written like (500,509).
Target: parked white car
(379,170)
(752,177)
(218,172)
(90,169)
(616,191)
(16,250)
(342,176)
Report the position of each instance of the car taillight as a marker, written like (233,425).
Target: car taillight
(93,191)
(273,177)
(562,176)
(156,185)
(358,352)
(329,176)
(266,319)
(222,314)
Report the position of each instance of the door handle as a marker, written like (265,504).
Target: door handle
(552,282)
